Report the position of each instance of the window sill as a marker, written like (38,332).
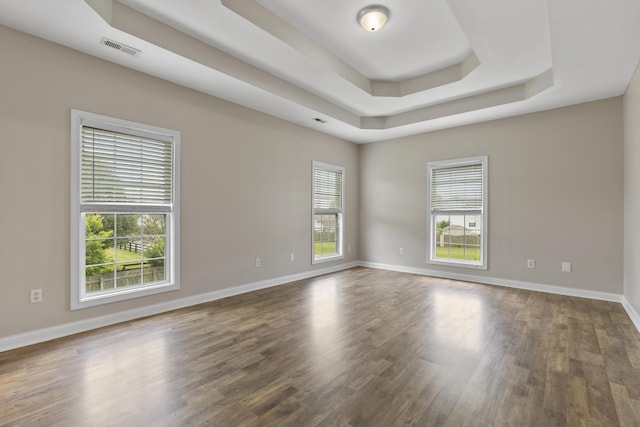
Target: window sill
(329,258)
(470,265)
(123,295)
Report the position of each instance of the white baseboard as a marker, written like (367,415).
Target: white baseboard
(530,286)
(53,332)
(551,289)
(633,314)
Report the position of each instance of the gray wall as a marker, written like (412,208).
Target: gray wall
(632,192)
(556,186)
(555,194)
(245,182)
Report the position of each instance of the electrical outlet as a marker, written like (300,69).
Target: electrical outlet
(258,262)
(348,249)
(566,267)
(531,263)
(35,296)
(292,257)
(401,251)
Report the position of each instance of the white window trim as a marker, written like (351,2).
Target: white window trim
(341,216)
(172,251)
(431,226)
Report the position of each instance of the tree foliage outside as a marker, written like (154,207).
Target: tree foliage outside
(130,244)
(443,224)
(95,249)
(155,250)
(134,225)
(154,224)
(127,224)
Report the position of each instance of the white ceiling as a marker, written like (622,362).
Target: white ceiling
(436,64)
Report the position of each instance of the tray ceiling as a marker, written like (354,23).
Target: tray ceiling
(435,64)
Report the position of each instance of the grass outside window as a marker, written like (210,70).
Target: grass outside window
(468,253)
(324,249)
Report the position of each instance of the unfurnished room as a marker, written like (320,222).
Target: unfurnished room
(329,213)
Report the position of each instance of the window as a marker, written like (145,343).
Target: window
(125,209)
(328,190)
(458,212)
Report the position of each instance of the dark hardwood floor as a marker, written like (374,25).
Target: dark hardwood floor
(361,347)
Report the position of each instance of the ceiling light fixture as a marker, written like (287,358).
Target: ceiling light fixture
(372,18)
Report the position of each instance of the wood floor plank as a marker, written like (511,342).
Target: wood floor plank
(361,347)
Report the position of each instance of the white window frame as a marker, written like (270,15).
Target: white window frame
(318,211)
(79,298)
(431,220)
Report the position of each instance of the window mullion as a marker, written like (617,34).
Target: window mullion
(457,207)
(327,208)
(122,171)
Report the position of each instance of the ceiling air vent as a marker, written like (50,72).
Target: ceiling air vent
(119,46)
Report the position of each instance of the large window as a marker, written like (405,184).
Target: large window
(328,191)
(458,212)
(124,209)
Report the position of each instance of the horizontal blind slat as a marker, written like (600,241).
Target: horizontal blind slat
(457,188)
(121,168)
(327,188)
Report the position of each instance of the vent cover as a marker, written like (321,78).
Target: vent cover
(119,46)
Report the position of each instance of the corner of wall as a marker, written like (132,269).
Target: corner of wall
(631,147)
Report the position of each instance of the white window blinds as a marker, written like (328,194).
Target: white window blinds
(457,188)
(127,169)
(327,189)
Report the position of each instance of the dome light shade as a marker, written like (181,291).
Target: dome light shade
(372,18)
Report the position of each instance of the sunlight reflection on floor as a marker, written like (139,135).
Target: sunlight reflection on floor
(325,326)
(130,379)
(459,319)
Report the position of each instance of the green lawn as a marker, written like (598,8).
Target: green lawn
(324,248)
(124,255)
(454,252)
